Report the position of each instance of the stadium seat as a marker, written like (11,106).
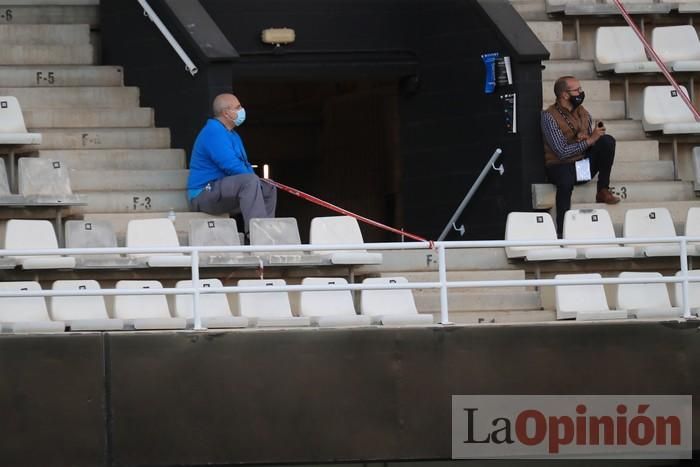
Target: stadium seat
(96,234)
(330,308)
(521,226)
(391,307)
(25,314)
(685,6)
(589,224)
(583,302)
(649,223)
(341,230)
(219,232)
(82,313)
(35,234)
(618,49)
(693,293)
(12,128)
(692,229)
(280,231)
(214,307)
(664,110)
(45,181)
(155,233)
(145,311)
(645,300)
(677,46)
(268,309)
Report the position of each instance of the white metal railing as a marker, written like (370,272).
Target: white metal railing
(442,284)
(150,14)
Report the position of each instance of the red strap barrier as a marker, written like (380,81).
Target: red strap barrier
(657,59)
(344,212)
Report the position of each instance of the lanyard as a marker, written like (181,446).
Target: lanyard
(568,122)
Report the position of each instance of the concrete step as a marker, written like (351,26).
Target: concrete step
(642,171)
(547,31)
(602,110)
(582,69)
(48,34)
(18,12)
(61,76)
(531,10)
(72,97)
(119,159)
(596,90)
(625,130)
(476,259)
(630,192)
(499,317)
(46,55)
(502,300)
(133,202)
(637,151)
(432,276)
(563,50)
(89,118)
(128,180)
(105,138)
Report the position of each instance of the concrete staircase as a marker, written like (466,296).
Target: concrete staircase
(643,174)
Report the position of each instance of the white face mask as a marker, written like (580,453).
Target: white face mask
(240,117)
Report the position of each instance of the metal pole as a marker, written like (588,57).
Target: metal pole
(470,195)
(684,272)
(196,315)
(442,274)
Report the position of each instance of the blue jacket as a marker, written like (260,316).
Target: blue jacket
(217,153)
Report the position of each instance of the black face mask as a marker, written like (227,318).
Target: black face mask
(577,100)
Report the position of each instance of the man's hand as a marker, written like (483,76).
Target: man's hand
(598,131)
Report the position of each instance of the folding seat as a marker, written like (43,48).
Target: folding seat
(664,110)
(25,314)
(45,181)
(593,224)
(213,307)
(13,132)
(155,233)
(583,302)
(268,309)
(692,229)
(339,230)
(677,46)
(693,293)
(650,223)
(35,235)
(330,308)
(96,234)
(392,307)
(618,49)
(82,313)
(219,232)
(280,231)
(145,311)
(645,300)
(521,226)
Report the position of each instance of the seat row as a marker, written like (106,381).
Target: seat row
(160,233)
(39,181)
(328,308)
(607,7)
(595,224)
(642,300)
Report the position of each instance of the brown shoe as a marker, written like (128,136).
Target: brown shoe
(604,196)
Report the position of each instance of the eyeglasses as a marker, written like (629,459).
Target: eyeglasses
(579,90)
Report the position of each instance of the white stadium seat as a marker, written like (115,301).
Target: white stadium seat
(26,314)
(23,234)
(590,224)
(391,307)
(280,231)
(12,128)
(155,233)
(145,311)
(219,232)
(618,49)
(664,110)
(268,309)
(677,46)
(521,226)
(650,223)
(82,313)
(213,307)
(583,302)
(692,229)
(339,230)
(693,293)
(330,307)
(645,300)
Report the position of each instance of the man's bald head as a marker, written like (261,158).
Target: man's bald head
(224,102)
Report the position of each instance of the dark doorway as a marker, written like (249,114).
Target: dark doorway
(337,140)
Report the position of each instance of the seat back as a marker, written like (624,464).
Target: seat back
(4,183)
(693,291)
(387,302)
(42,177)
(264,304)
(335,230)
(147,233)
(673,43)
(11,118)
(618,44)
(648,222)
(588,224)
(663,104)
(214,232)
(140,306)
(73,308)
(90,234)
(274,231)
(641,296)
(22,309)
(692,222)
(571,299)
(528,226)
(29,234)
(326,303)
(215,304)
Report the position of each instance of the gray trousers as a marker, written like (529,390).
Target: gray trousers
(243,193)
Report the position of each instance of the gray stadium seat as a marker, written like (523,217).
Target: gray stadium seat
(45,181)
(219,232)
(96,234)
(280,231)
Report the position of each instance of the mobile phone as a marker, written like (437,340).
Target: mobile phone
(601,124)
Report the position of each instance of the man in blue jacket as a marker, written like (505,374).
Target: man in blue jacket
(221,179)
